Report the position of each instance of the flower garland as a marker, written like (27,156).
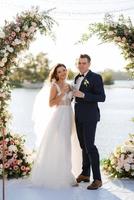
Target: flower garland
(18,159)
(16,37)
(120,32)
(120,163)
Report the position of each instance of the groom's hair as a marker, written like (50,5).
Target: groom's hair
(85,56)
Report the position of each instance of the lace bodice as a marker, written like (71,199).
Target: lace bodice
(66,99)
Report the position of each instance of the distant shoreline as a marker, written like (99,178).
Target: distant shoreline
(116,84)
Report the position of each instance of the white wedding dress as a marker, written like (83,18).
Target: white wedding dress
(52,167)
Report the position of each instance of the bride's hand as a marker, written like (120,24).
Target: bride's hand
(65,89)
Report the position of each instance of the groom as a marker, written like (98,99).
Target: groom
(89,91)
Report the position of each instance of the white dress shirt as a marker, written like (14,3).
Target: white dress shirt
(79,81)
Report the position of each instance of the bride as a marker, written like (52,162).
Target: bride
(52,166)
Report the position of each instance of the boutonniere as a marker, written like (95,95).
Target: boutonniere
(86,82)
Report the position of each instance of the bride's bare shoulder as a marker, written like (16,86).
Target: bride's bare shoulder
(53,88)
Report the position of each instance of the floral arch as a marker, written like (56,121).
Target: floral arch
(16,37)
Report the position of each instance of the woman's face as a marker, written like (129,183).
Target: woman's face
(61,73)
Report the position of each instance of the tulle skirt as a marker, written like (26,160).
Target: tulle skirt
(53,164)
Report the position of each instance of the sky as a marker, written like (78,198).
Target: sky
(73,17)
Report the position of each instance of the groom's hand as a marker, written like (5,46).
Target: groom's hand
(78,94)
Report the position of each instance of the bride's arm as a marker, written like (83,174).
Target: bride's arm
(53,98)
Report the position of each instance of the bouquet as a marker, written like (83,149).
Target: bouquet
(120,163)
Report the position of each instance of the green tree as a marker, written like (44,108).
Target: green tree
(107,77)
(71,74)
(32,69)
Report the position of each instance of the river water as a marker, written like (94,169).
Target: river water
(116,114)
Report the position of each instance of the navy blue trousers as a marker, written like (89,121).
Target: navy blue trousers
(90,155)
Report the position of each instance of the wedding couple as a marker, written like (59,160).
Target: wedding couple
(53,166)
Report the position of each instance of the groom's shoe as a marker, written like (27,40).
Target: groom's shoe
(95,185)
(82,178)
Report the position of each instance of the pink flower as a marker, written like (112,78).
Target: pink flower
(13,34)
(111,33)
(27,169)
(7,42)
(2,95)
(19,162)
(6,165)
(15,167)
(10,38)
(123,39)
(1,72)
(117,39)
(15,162)
(23,35)
(12,142)
(23,168)
(8,153)
(132,45)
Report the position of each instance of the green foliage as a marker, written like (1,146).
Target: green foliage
(120,32)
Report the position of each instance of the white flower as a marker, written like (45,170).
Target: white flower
(17,41)
(25,28)
(29,159)
(124,149)
(1,166)
(4,60)
(32,14)
(110,33)
(17,29)
(23,43)
(132,173)
(12,148)
(2,64)
(132,166)
(10,49)
(127,167)
(7,139)
(2,34)
(113,161)
(34,24)
(32,29)
(124,39)
(118,169)
(6,54)
(86,82)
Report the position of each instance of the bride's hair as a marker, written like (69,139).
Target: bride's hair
(53,73)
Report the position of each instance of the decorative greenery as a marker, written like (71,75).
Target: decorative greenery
(16,37)
(120,32)
(18,159)
(120,164)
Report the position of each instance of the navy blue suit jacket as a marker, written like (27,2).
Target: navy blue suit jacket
(86,109)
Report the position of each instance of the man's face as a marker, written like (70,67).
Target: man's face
(83,65)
